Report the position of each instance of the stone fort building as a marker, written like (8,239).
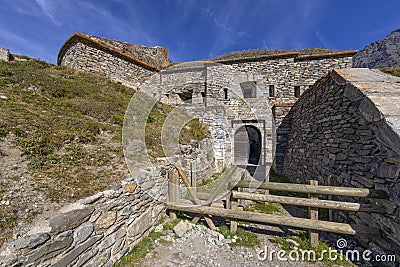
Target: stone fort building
(307,114)
(239,97)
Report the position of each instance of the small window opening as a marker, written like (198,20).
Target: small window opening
(226,93)
(271,90)
(297,91)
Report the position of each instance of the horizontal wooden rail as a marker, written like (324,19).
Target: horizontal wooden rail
(316,203)
(316,189)
(334,227)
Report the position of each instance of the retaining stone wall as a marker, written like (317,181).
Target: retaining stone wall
(348,126)
(95,231)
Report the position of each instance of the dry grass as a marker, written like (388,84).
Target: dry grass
(395,71)
(254,53)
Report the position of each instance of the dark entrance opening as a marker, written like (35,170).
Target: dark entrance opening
(247,146)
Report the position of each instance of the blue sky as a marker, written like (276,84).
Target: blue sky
(199,29)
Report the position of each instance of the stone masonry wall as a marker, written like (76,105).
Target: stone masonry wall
(86,56)
(203,84)
(284,73)
(95,231)
(348,126)
(287,72)
(154,56)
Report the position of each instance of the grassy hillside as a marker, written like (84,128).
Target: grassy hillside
(67,126)
(67,123)
(60,137)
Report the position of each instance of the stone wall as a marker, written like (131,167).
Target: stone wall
(4,54)
(213,93)
(348,126)
(85,55)
(288,70)
(157,56)
(95,231)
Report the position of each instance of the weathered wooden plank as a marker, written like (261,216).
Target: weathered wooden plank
(193,194)
(193,174)
(320,203)
(313,214)
(334,227)
(173,190)
(224,180)
(323,190)
(186,202)
(234,207)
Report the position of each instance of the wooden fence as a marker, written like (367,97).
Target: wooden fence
(234,212)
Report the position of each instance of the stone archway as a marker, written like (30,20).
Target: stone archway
(247,146)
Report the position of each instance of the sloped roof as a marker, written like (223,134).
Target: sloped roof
(124,50)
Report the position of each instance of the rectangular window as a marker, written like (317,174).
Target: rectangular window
(249,89)
(271,90)
(226,93)
(297,91)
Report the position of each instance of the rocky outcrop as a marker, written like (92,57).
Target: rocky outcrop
(4,54)
(380,54)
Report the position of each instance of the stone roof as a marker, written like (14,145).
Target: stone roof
(131,52)
(382,89)
(298,56)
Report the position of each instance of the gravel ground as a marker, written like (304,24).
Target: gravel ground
(201,246)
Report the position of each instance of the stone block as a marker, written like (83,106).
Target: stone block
(49,250)
(31,241)
(73,254)
(369,111)
(386,170)
(106,220)
(70,219)
(353,93)
(182,227)
(83,232)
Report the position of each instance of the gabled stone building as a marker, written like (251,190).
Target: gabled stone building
(242,99)
(128,64)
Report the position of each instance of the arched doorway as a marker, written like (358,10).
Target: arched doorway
(247,146)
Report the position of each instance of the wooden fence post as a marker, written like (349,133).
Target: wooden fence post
(313,213)
(173,190)
(240,189)
(193,174)
(195,198)
(232,204)
(330,211)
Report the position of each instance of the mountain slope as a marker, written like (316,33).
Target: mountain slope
(60,138)
(380,54)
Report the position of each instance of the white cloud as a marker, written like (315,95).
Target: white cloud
(48,8)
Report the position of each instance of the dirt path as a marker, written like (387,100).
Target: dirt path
(202,247)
